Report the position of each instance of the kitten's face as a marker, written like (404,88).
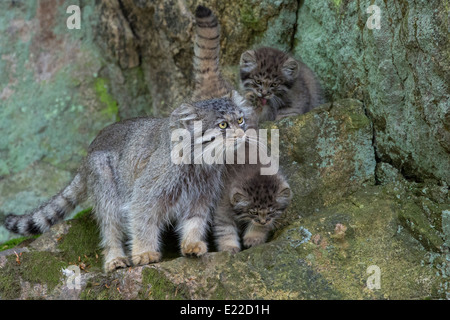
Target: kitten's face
(261,200)
(267,74)
(262,216)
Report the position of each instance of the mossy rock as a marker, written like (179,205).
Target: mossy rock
(320,256)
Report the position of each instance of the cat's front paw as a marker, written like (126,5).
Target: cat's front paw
(146,258)
(198,248)
(116,263)
(253,241)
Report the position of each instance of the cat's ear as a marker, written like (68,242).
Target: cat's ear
(184,116)
(237,197)
(238,100)
(248,61)
(284,195)
(290,68)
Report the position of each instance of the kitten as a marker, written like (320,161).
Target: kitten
(251,204)
(209,82)
(136,188)
(277,84)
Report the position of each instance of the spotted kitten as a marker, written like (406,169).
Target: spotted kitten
(251,204)
(277,84)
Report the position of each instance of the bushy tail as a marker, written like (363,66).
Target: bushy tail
(208,79)
(41,219)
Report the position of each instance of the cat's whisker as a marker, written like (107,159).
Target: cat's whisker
(258,143)
(214,145)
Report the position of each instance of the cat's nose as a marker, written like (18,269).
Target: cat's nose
(263,221)
(239,133)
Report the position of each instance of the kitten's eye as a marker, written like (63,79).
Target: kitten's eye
(241,120)
(223,125)
(274,84)
(257,81)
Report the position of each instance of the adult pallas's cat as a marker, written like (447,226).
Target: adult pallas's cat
(136,189)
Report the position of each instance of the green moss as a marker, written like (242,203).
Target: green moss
(156,286)
(15,242)
(101,88)
(10,287)
(368,234)
(102,287)
(337,3)
(413,219)
(81,244)
(82,213)
(41,267)
(33,267)
(250,19)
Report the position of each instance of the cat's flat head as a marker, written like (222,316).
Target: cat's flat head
(220,121)
(267,74)
(260,199)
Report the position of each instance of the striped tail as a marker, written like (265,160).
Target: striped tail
(51,212)
(208,79)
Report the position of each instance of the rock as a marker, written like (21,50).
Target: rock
(400,71)
(327,154)
(369,170)
(322,256)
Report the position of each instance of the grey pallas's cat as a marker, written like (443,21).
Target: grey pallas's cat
(250,206)
(277,84)
(136,189)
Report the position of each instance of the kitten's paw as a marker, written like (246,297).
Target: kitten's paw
(230,249)
(116,263)
(253,241)
(145,258)
(195,248)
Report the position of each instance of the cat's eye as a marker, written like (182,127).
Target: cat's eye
(274,84)
(241,120)
(223,125)
(257,81)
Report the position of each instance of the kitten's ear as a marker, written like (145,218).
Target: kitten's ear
(184,116)
(237,197)
(284,195)
(248,61)
(290,68)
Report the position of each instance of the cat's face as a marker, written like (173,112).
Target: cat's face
(267,74)
(214,124)
(261,200)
